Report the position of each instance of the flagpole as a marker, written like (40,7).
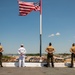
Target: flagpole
(24,12)
(40,28)
(40,35)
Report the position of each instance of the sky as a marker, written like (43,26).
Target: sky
(58,26)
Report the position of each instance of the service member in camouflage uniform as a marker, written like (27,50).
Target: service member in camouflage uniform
(50,50)
(1,50)
(72,50)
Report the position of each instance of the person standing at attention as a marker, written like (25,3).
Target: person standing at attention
(1,50)
(72,50)
(21,52)
(50,50)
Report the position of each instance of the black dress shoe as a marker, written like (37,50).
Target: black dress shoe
(1,66)
(47,65)
(71,66)
(52,66)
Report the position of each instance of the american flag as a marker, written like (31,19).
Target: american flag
(26,7)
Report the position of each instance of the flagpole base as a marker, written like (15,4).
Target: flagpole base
(40,59)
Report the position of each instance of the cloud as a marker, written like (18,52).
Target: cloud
(51,35)
(57,34)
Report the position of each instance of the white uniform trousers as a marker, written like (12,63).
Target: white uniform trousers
(21,61)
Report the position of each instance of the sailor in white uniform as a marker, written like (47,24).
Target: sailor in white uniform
(21,52)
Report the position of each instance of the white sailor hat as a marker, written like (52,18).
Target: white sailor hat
(22,45)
